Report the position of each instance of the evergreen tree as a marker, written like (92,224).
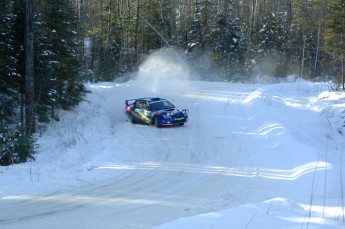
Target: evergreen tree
(15,144)
(269,42)
(194,36)
(335,37)
(7,63)
(228,49)
(59,83)
(195,44)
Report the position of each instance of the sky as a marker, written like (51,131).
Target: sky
(251,156)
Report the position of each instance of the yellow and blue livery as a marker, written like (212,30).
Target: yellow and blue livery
(155,111)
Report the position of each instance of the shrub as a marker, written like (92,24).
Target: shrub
(15,146)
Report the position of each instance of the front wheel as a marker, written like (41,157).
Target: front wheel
(156,122)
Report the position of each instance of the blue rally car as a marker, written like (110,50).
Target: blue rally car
(155,111)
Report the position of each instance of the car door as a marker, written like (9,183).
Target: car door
(147,112)
(142,111)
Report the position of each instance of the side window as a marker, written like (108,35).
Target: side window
(145,105)
(138,104)
(142,105)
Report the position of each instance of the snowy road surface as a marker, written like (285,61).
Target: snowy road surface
(243,145)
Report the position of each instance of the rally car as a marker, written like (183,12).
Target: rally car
(155,111)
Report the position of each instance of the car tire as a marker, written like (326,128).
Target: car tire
(131,118)
(156,122)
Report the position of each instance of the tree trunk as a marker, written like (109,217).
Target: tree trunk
(342,53)
(29,70)
(342,70)
(107,51)
(137,32)
(303,56)
(253,18)
(317,50)
(287,54)
(128,43)
(100,40)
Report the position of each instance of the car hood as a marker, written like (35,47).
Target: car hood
(173,111)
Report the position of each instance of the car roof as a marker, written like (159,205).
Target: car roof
(156,99)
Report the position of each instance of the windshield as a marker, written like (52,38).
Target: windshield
(161,105)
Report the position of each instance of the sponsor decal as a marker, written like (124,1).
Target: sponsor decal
(178,119)
(141,115)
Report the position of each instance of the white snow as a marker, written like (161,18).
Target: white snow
(251,156)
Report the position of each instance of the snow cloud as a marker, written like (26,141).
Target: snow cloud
(164,70)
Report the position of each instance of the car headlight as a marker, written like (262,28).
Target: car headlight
(185,111)
(167,115)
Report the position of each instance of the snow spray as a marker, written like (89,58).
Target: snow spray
(163,71)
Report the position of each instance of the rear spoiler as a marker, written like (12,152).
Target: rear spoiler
(129,102)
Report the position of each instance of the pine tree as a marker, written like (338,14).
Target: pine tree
(59,83)
(269,42)
(15,144)
(335,37)
(227,47)
(7,62)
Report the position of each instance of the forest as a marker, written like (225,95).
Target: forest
(50,48)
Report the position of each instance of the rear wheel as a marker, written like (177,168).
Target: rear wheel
(131,118)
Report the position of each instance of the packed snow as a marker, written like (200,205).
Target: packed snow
(251,156)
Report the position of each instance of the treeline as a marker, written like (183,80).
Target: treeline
(40,66)
(48,52)
(235,39)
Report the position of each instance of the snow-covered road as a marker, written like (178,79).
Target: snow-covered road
(241,146)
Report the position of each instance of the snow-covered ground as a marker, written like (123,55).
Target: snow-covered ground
(251,156)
